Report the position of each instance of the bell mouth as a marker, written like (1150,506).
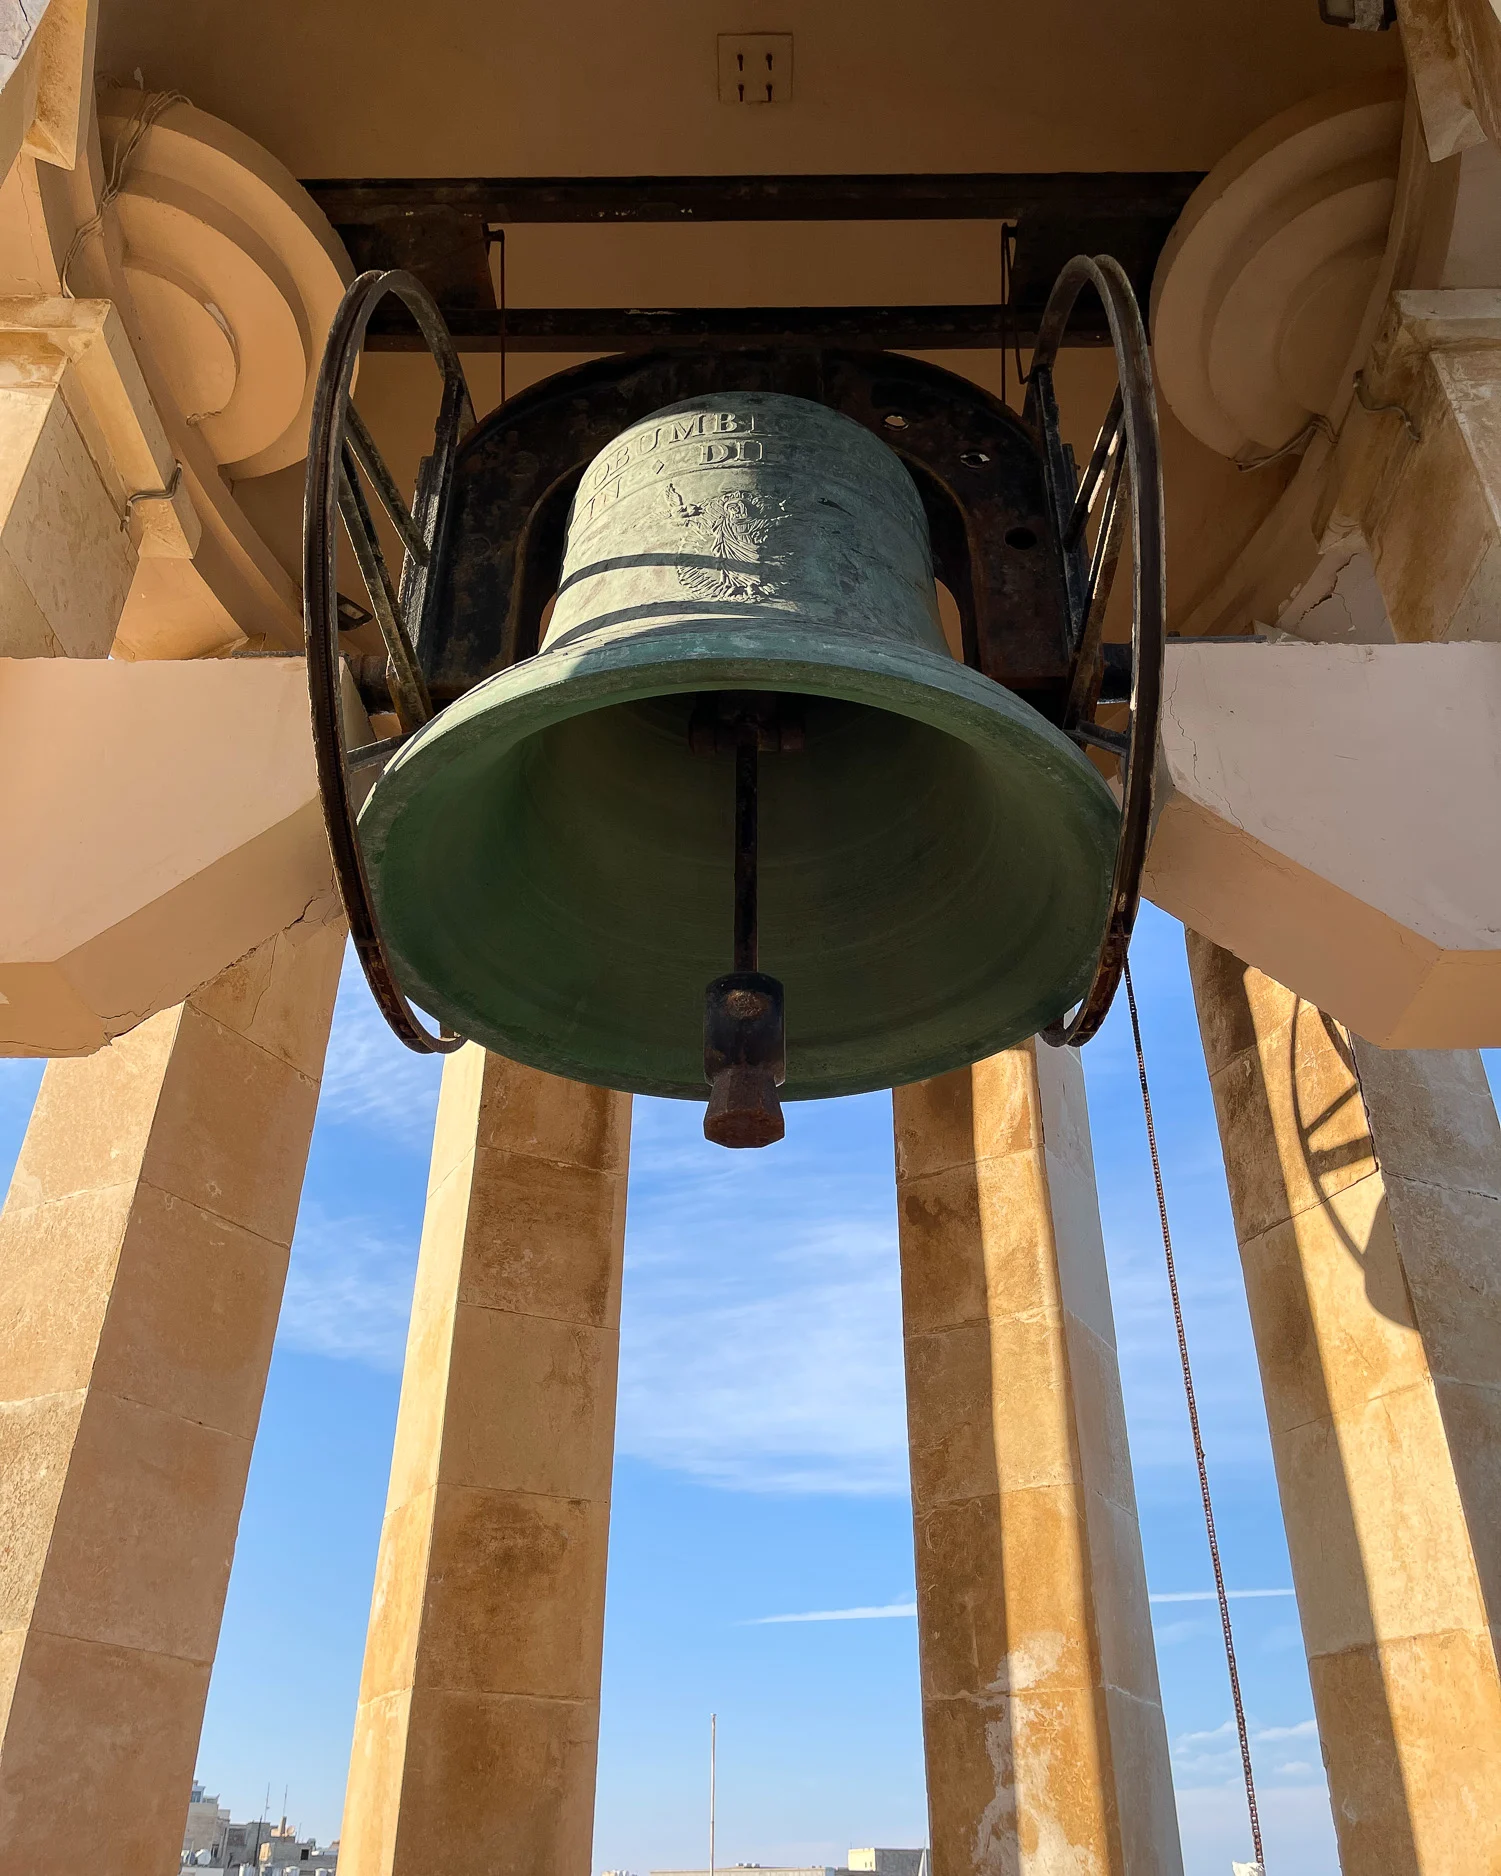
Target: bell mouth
(551,860)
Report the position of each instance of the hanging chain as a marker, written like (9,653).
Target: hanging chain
(1193,1421)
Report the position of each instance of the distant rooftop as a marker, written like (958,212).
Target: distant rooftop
(868,1862)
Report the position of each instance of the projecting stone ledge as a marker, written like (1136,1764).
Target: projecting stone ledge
(163,821)
(1332,815)
(1329,814)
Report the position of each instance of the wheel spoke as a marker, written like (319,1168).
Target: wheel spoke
(362,444)
(370,755)
(1107,546)
(1106,448)
(408,690)
(1061,479)
(1085,686)
(434,480)
(1094,736)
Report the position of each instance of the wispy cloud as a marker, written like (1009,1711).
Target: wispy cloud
(1170,1631)
(879,1613)
(1305,1729)
(1208,1595)
(1302,1729)
(1208,1758)
(369,1079)
(761,1332)
(349,1290)
(1169,1634)
(1214,1306)
(1208,1264)
(1295,1820)
(795,1390)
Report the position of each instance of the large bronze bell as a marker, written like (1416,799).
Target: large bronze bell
(743,758)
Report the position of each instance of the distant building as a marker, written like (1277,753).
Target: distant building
(890,1862)
(284,1849)
(761,1869)
(206,1825)
(861,1863)
(212,1841)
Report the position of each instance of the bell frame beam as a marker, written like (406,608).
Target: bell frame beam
(1020,195)
(441,229)
(978,327)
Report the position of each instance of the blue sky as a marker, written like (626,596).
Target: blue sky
(761,1469)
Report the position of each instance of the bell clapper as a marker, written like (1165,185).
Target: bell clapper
(744,1028)
(747,780)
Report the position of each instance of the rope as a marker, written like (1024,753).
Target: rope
(1315,426)
(151,107)
(1193,1421)
(1362,393)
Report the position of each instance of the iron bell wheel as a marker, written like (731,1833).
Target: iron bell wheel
(552,860)
(554,865)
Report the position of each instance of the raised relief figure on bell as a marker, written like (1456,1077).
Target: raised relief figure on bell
(728,532)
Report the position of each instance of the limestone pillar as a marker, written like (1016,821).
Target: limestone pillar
(143,1249)
(1042,1719)
(1366,1187)
(1427,488)
(476,1735)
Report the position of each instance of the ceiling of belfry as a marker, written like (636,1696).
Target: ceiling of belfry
(475,87)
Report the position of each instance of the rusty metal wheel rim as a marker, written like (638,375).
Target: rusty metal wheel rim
(326,496)
(1135,414)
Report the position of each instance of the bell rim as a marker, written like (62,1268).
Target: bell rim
(606,667)
(597,670)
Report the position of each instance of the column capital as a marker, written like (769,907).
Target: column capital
(81,346)
(1423,463)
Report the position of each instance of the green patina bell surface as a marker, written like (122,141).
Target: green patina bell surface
(552,857)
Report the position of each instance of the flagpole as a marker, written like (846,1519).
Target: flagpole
(713,1766)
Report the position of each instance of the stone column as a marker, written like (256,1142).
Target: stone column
(1042,1719)
(143,1249)
(1366,1187)
(478,1723)
(85,470)
(1426,482)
